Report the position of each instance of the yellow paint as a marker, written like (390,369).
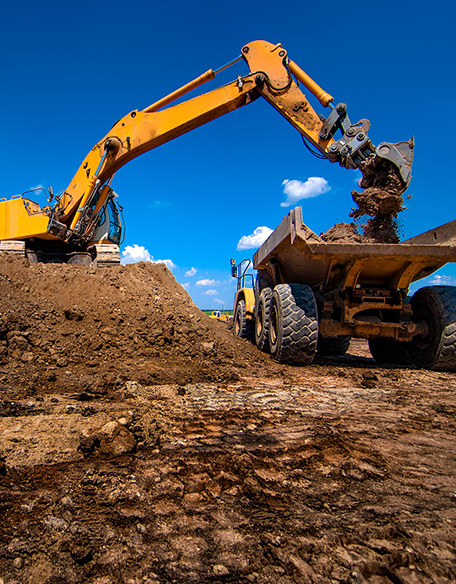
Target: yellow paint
(141,131)
(17,223)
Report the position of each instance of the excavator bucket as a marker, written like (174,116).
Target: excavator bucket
(390,168)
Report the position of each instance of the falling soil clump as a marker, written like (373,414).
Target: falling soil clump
(382,200)
(381,229)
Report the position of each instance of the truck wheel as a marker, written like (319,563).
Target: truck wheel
(293,325)
(262,320)
(333,346)
(435,305)
(242,326)
(389,351)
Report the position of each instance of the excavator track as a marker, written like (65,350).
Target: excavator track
(12,246)
(106,254)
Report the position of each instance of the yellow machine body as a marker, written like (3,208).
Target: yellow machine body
(74,218)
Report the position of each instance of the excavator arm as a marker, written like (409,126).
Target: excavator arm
(272,76)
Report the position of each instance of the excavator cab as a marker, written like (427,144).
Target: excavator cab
(109,223)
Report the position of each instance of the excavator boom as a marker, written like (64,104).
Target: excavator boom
(76,214)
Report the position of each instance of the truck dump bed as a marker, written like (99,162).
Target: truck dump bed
(303,257)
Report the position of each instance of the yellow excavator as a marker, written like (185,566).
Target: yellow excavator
(83,223)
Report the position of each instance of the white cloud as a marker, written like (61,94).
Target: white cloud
(297,190)
(159,204)
(255,239)
(186,285)
(206,282)
(135,253)
(210,292)
(439,280)
(218,301)
(138,253)
(169,263)
(191,272)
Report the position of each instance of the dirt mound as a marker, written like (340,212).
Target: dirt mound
(343,232)
(129,322)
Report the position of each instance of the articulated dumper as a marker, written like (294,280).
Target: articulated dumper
(313,295)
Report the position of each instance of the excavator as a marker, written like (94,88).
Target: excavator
(83,223)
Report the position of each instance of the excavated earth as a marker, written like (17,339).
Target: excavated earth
(380,203)
(141,442)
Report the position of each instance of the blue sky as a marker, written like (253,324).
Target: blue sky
(70,70)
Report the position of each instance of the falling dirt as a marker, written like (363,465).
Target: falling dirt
(142,443)
(381,200)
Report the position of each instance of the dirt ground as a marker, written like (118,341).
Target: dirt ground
(142,443)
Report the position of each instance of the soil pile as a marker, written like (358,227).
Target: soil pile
(131,321)
(343,232)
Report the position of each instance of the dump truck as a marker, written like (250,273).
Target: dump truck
(83,222)
(219,315)
(314,295)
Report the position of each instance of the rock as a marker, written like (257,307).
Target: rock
(81,554)
(17,342)
(220,570)
(55,523)
(369,379)
(112,439)
(131,387)
(74,313)
(27,357)
(62,362)
(67,502)
(207,348)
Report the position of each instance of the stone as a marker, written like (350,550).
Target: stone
(112,439)
(220,570)
(74,313)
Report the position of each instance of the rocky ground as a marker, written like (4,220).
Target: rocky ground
(142,443)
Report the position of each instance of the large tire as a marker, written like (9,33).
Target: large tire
(390,351)
(242,326)
(435,306)
(293,326)
(262,320)
(333,346)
